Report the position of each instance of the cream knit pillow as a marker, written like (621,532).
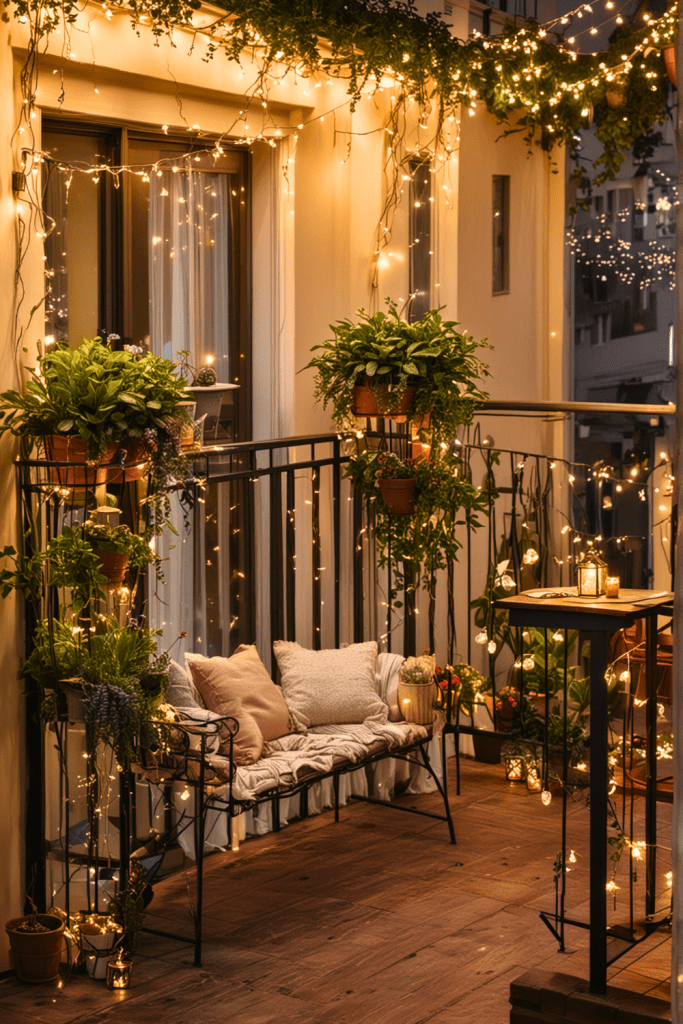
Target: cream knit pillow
(330,687)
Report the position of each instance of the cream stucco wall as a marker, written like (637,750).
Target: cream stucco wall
(12,755)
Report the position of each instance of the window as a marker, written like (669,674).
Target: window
(420,241)
(158,258)
(501,234)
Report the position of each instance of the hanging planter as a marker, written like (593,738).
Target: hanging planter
(382,365)
(398,495)
(36,941)
(380,401)
(113,564)
(132,461)
(669,55)
(70,449)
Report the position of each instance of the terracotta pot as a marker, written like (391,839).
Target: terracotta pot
(67,448)
(131,462)
(669,55)
(365,402)
(615,93)
(487,745)
(37,955)
(416,702)
(505,717)
(113,564)
(398,495)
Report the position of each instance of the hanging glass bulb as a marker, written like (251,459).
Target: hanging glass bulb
(530,556)
(528,663)
(481,638)
(546,796)
(492,646)
(507,582)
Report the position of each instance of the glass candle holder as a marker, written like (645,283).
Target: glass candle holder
(612,586)
(119,972)
(533,778)
(515,767)
(591,574)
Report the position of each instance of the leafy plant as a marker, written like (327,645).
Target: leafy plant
(467,686)
(389,466)
(426,539)
(67,561)
(390,353)
(121,540)
(126,907)
(201,377)
(74,392)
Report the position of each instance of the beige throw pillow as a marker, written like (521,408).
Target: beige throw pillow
(330,687)
(242,682)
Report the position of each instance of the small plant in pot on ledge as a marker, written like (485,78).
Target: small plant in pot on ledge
(205,389)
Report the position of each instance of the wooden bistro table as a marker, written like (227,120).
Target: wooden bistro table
(548,609)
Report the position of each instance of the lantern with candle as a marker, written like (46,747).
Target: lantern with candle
(591,575)
(119,972)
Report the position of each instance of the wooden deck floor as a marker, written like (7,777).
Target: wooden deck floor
(377,920)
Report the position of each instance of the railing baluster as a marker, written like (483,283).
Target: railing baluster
(290,558)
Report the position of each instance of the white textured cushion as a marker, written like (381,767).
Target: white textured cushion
(330,687)
(182,693)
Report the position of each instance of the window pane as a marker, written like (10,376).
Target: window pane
(420,241)
(73,247)
(501,231)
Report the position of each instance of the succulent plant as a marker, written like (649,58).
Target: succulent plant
(205,377)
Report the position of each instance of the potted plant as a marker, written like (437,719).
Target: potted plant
(69,404)
(507,707)
(118,549)
(396,481)
(36,941)
(416,689)
(205,388)
(382,365)
(428,538)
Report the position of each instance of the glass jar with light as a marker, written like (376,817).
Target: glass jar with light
(591,575)
(119,972)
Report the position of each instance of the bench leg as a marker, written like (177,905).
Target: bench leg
(442,786)
(335,787)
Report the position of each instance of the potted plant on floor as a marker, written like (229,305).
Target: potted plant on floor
(382,365)
(36,941)
(416,689)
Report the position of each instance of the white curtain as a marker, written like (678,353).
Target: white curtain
(189,239)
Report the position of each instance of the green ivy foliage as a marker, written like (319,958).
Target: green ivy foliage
(528,79)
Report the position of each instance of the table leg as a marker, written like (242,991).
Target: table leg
(598,816)
(651,786)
